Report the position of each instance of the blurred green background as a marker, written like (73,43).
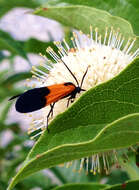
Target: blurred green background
(22,37)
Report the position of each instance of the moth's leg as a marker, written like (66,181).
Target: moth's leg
(50,112)
(68,101)
(52,106)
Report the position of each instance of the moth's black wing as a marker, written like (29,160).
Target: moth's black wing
(31,100)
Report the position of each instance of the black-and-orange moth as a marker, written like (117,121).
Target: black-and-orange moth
(37,98)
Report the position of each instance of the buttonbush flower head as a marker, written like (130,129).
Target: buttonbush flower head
(105,56)
(101,161)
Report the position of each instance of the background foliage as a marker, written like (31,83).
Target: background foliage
(15,151)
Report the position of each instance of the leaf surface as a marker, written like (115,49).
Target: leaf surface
(87,186)
(108,111)
(126,186)
(119,8)
(6,6)
(10,44)
(81,17)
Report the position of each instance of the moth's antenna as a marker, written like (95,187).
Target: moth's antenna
(70,72)
(14,97)
(84,77)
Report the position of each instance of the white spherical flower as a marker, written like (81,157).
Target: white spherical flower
(97,60)
(104,59)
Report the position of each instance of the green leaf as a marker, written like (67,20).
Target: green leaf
(12,126)
(3,74)
(12,79)
(68,176)
(126,186)
(130,167)
(81,186)
(36,46)
(37,180)
(4,92)
(119,8)
(2,56)
(4,111)
(84,16)
(7,85)
(6,6)
(117,176)
(108,111)
(10,44)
